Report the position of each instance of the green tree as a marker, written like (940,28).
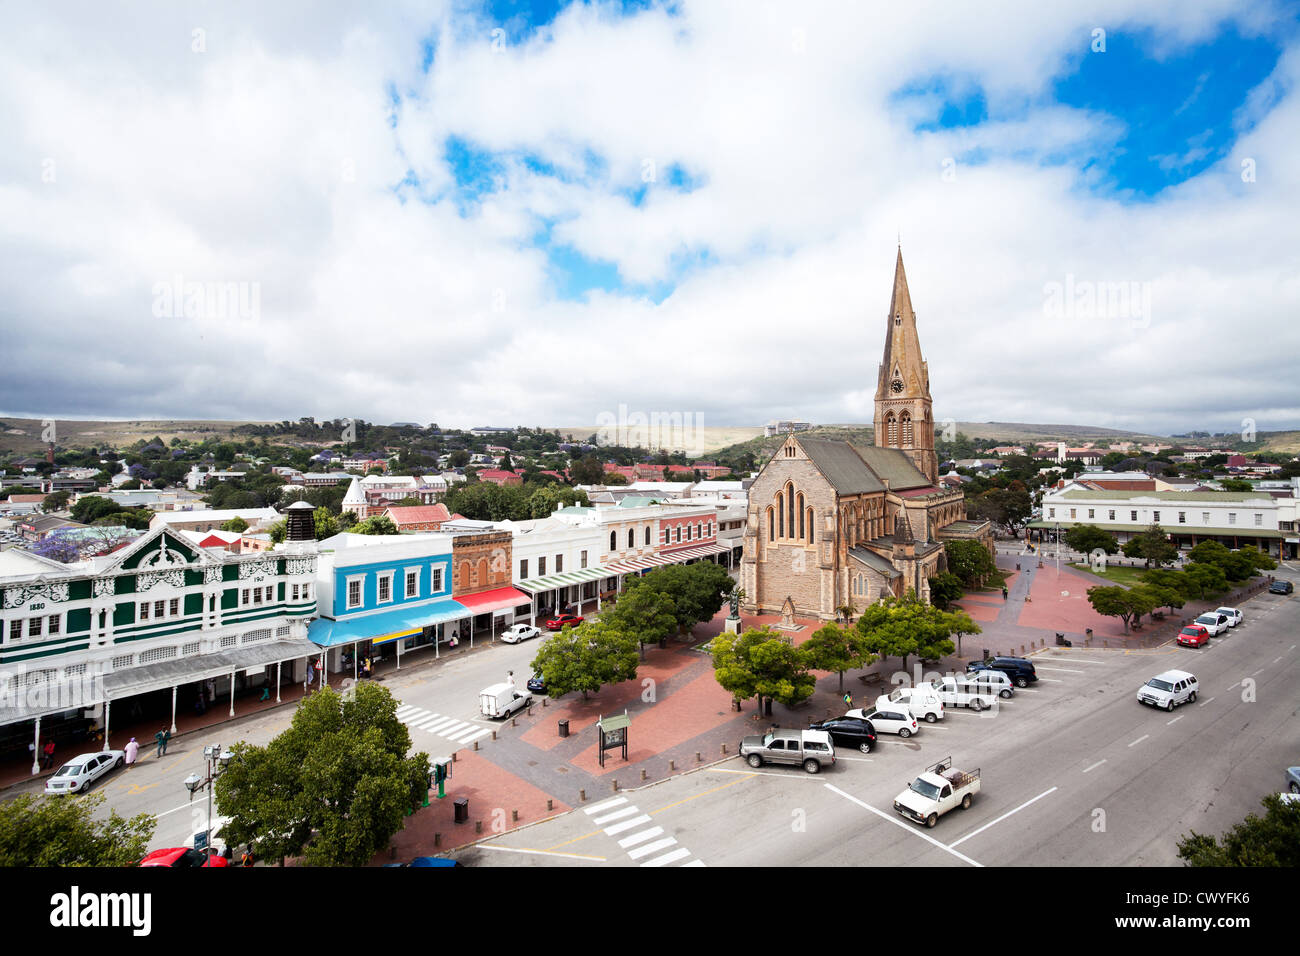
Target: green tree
(761,663)
(901,627)
(56,501)
(63,831)
(333,788)
(277,531)
(236,524)
(970,561)
(585,659)
(945,588)
(1235,484)
(376,524)
(587,470)
(1152,545)
(647,613)
(1269,840)
(1202,581)
(837,649)
(90,507)
(1087,538)
(324,523)
(1128,604)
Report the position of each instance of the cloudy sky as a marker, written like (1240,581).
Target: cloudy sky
(513,212)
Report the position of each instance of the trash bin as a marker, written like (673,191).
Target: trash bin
(462,809)
(564,728)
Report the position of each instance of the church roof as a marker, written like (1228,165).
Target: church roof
(894,466)
(875,562)
(842,466)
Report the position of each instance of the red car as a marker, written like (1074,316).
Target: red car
(564,620)
(1193,635)
(183,856)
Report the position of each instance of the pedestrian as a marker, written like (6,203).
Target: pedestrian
(47,752)
(1004,592)
(161,737)
(311,674)
(510,678)
(266,693)
(131,750)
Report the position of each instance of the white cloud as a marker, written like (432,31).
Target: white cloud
(270,159)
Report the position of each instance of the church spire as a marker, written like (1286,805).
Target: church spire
(903,405)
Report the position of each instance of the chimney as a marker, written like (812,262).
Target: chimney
(299,525)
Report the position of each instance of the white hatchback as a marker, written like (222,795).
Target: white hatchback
(1214,622)
(520,632)
(896,719)
(1231,613)
(79,773)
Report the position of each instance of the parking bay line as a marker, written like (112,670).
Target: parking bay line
(1139,740)
(1095,766)
(1063,670)
(1204,702)
(1001,818)
(511,849)
(906,826)
(1175,720)
(1075,660)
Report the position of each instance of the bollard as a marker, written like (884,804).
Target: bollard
(437,840)
(616,786)
(392,852)
(724,748)
(514,816)
(514,722)
(476,745)
(672,765)
(642,774)
(530,710)
(494,735)
(478,826)
(582,796)
(550,805)
(699,758)
(545,702)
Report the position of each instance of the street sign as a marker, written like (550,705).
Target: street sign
(613,734)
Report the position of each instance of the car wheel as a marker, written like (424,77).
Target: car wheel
(1191,698)
(1005,693)
(931,820)
(1022,682)
(119,763)
(1169,705)
(965,802)
(866,748)
(904,733)
(977,704)
(754,760)
(931,717)
(1295,787)
(812,766)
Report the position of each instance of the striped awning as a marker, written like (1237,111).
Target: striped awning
(498,599)
(565,578)
(388,626)
(661,558)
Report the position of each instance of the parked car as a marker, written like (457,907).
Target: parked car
(811,749)
(1193,635)
(520,632)
(1293,779)
(1214,622)
(183,857)
(537,684)
(1280,587)
(79,773)
(849,732)
(502,700)
(563,621)
(1169,689)
(937,790)
(1019,669)
(993,681)
(956,692)
(922,701)
(894,720)
(1232,614)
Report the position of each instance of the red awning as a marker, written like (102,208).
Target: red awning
(497,599)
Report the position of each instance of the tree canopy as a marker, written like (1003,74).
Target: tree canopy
(1269,840)
(59,831)
(585,659)
(764,664)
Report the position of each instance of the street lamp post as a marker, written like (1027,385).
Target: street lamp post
(216,760)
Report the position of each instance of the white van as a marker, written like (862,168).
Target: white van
(922,700)
(502,700)
(1169,689)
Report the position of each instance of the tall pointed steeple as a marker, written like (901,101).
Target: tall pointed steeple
(904,419)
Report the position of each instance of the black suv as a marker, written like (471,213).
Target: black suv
(849,732)
(1019,669)
(1280,587)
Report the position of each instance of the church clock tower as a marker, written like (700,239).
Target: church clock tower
(904,419)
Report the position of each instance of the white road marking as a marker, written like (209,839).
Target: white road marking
(1258,672)
(1026,690)
(1053,680)
(695,863)
(1175,720)
(668,857)
(839,757)
(1140,739)
(649,848)
(1063,670)
(473,737)
(641,837)
(1075,660)
(617,828)
(1001,818)
(612,802)
(1276,659)
(1204,702)
(1095,766)
(906,826)
(511,849)
(618,814)
(767,773)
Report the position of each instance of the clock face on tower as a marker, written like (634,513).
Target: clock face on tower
(897,386)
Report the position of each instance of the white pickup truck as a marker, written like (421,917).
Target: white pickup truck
(937,790)
(956,692)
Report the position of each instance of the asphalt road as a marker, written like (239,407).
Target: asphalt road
(1075,772)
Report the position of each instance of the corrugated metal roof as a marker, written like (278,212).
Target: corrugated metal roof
(893,466)
(842,466)
(875,562)
(1170,496)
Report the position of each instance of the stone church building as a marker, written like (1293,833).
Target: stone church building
(831,523)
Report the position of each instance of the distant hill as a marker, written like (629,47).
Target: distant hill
(23,435)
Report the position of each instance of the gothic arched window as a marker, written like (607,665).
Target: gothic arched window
(891,430)
(771,525)
(907,429)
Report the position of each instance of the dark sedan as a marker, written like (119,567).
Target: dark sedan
(536,684)
(1281,587)
(849,732)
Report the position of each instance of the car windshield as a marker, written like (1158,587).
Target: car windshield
(70,770)
(927,790)
(1160,684)
(1205,619)
(1191,630)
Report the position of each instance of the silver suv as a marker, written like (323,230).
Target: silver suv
(811,749)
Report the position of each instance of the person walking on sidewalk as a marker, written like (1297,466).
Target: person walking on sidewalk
(1004,592)
(47,754)
(162,737)
(132,750)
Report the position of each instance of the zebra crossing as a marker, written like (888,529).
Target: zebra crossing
(617,816)
(452,728)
